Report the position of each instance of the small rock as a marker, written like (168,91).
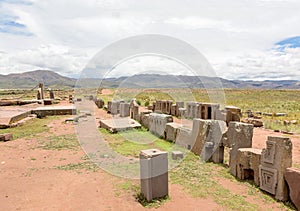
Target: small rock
(294,122)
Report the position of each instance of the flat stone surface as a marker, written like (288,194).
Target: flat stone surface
(119,124)
(292,176)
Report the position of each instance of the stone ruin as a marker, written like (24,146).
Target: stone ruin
(213,130)
(275,159)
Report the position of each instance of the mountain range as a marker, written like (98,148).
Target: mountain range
(51,79)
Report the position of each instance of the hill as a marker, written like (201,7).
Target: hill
(30,79)
(51,79)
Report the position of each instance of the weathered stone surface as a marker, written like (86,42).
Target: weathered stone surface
(177,155)
(233,114)
(184,138)
(134,110)
(99,102)
(124,109)
(171,131)
(275,159)
(208,110)
(292,176)
(6,137)
(210,134)
(144,118)
(154,173)
(248,161)
(157,123)
(239,135)
(254,122)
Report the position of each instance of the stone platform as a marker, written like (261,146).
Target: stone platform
(54,110)
(119,124)
(10,115)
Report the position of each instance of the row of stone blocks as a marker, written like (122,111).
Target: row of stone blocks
(197,110)
(208,138)
(124,109)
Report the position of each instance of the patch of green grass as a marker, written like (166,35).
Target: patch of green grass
(131,142)
(31,128)
(196,178)
(68,141)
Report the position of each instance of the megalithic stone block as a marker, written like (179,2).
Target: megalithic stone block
(154,173)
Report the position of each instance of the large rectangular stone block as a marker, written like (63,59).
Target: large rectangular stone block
(157,123)
(171,131)
(239,135)
(248,161)
(154,173)
(124,109)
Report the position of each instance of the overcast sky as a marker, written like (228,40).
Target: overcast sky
(238,38)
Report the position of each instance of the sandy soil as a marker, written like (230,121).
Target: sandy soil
(30,181)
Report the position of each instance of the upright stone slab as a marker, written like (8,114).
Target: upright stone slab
(144,118)
(157,123)
(239,135)
(173,110)
(51,93)
(178,106)
(154,173)
(208,136)
(292,176)
(134,110)
(115,107)
(99,102)
(109,103)
(184,138)
(124,109)
(275,159)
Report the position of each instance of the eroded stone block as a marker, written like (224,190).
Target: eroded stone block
(276,158)
(177,155)
(292,176)
(239,135)
(154,173)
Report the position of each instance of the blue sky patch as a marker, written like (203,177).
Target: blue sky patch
(292,42)
(9,25)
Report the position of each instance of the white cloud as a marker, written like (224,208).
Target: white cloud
(264,65)
(236,35)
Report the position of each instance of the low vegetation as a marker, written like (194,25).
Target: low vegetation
(31,128)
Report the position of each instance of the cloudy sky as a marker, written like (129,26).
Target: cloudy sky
(241,39)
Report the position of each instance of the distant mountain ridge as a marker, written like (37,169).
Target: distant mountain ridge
(51,79)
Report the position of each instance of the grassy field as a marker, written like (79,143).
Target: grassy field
(264,101)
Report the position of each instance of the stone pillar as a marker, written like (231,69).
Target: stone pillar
(51,94)
(114,107)
(109,103)
(239,136)
(154,173)
(41,91)
(275,159)
(99,103)
(124,109)
(179,105)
